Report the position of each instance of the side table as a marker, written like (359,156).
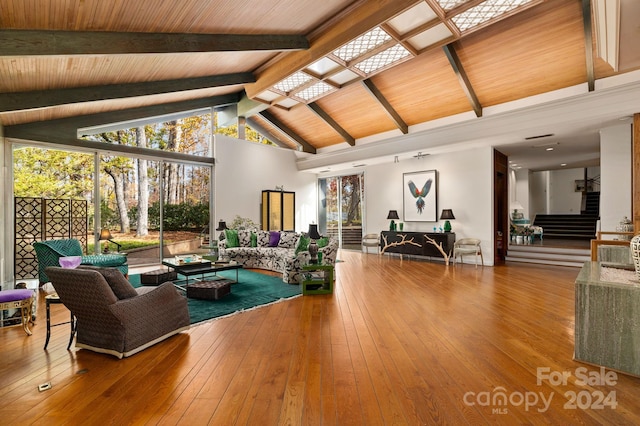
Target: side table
(318,279)
(54,299)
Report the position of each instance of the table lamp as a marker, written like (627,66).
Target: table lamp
(313,247)
(222,225)
(105,235)
(393,214)
(446,215)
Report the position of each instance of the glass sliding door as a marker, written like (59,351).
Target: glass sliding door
(340,209)
(185,217)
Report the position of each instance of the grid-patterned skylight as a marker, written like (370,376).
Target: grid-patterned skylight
(382,59)
(450,4)
(362,44)
(314,91)
(484,12)
(294,80)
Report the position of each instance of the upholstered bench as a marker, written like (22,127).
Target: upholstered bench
(209,290)
(158,276)
(21,299)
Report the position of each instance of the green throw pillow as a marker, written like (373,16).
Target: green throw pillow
(232,238)
(303,244)
(254,239)
(323,242)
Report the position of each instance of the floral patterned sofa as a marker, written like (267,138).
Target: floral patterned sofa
(279,251)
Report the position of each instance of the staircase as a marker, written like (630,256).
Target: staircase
(576,226)
(548,255)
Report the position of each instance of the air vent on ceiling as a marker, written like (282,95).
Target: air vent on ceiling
(539,137)
(359,165)
(420,155)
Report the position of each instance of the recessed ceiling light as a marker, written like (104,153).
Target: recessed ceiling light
(563,164)
(549,149)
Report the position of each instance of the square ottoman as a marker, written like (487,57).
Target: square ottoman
(158,276)
(209,290)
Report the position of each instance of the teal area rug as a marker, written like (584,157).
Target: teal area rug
(252,290)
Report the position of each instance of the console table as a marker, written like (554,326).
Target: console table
(415,243)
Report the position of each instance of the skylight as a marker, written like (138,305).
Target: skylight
(425,25)
(293,81)
(450,4)
(314,91)
(484,12)
(363,44)
(383,59)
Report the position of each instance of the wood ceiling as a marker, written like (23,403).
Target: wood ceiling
(80,61)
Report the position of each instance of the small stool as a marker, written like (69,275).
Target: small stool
(158,276)
(209,290)
(54,299)
(19,299)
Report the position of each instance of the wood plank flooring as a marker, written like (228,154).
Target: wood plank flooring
(399,342)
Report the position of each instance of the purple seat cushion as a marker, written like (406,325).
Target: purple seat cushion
(15,295)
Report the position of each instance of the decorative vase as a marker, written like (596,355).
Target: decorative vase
(401,226)
(625,225)
(518,239)
(635,253)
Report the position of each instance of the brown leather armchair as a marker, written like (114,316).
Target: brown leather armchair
(114,318)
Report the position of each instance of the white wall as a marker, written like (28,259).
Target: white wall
(615,175)
(465,185)
(243,169)
(4,279)
(519,190)
(538,193)
(563,199)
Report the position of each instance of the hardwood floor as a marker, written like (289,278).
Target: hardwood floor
(399,342)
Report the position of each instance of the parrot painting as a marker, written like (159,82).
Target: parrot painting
(419,194)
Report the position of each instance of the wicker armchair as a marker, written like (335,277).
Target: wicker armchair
(114,318)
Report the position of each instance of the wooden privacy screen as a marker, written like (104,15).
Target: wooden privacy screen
(38,219)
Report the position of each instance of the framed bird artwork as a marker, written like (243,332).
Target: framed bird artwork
(419,196)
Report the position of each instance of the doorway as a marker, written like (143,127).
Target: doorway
(340,209)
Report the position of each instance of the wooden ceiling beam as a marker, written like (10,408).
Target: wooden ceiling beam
(47,98)
(588,44)
(454,60)
(255,125)
(332,123)
(361,19)
(44,42)
(377,95)
(306,146)
(125,115)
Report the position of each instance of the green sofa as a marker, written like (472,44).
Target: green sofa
(49,253)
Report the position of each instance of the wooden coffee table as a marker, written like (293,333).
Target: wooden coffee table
(200,267)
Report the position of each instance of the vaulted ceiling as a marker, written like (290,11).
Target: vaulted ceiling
(80,63)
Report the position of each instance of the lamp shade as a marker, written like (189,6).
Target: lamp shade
(222,225)
(516,205)
(313,231)
(393,214)
(105,234)
(447,214)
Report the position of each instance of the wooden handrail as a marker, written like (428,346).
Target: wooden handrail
(599,234)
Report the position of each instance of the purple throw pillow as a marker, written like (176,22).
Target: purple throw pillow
(274,238)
